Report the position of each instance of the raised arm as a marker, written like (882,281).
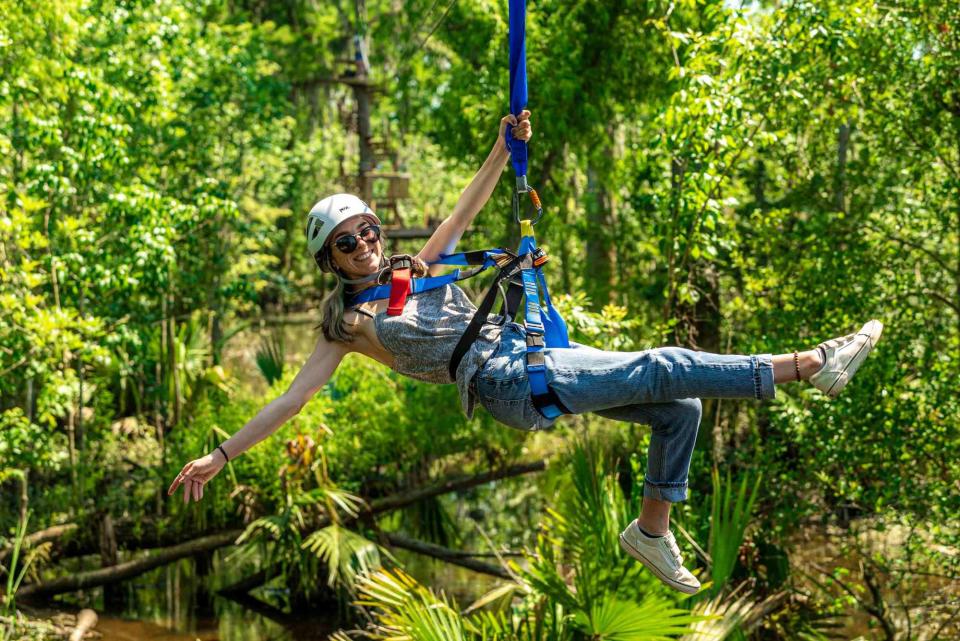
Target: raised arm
(444,240)
(315,373)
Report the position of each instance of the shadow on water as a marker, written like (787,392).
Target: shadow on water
(177,603)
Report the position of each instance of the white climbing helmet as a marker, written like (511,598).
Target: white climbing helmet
(330,212)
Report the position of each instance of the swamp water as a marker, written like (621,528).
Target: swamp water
(174,604)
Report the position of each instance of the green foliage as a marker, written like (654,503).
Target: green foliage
(745,181)
(16,569)
(730,514)
(270,358)
(575,584)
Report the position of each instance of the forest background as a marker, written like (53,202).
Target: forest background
(742,179)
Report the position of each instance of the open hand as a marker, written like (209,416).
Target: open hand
(194,474)
(522,129)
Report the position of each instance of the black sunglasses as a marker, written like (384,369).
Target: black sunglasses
(348,244)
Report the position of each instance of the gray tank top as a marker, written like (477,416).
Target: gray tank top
(423,337)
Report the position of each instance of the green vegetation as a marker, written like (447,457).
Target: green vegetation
(744,180)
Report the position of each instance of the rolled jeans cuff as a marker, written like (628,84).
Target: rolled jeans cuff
(672,492)
(763,384)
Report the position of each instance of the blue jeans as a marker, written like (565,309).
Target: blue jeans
(659,387)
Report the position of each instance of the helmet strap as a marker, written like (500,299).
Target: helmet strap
(384,268)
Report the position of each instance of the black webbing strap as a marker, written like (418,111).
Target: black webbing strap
(477,257)
(480,317)
(511,301)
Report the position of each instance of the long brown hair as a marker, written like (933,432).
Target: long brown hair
(332,307)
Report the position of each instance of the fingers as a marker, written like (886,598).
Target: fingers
(192,490)
(181,477)
(513,120)
(523,131)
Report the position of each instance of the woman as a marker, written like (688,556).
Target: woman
(660,387)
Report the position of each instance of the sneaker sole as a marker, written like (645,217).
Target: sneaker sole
(635,553)
(873,335)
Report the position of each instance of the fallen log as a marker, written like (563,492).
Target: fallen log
(455,557)
(163,556)
(128,569)
(70,540)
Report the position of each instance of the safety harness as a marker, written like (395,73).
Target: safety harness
(521,271)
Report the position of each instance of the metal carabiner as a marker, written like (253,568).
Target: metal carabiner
(524,188)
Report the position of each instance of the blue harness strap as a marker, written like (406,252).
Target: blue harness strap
(543,329)
(482,259)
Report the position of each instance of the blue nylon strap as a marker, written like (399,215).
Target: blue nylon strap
(518,80)
(555,328)
(418,285)
(537,324)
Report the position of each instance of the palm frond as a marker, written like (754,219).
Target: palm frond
(501,626)
(497,595)
(272,526)
(270,358)
(723,614)
(653,619)
(348,503)
(542,575)
(730,516)
(404,610)
(346,554)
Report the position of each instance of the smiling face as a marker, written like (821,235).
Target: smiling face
(362,261)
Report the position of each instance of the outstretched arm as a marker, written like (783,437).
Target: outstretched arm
(444,240)
(315,373)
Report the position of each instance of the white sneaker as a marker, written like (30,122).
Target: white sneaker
(843,358)
(661,555)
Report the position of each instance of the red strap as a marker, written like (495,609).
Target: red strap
(399,290)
